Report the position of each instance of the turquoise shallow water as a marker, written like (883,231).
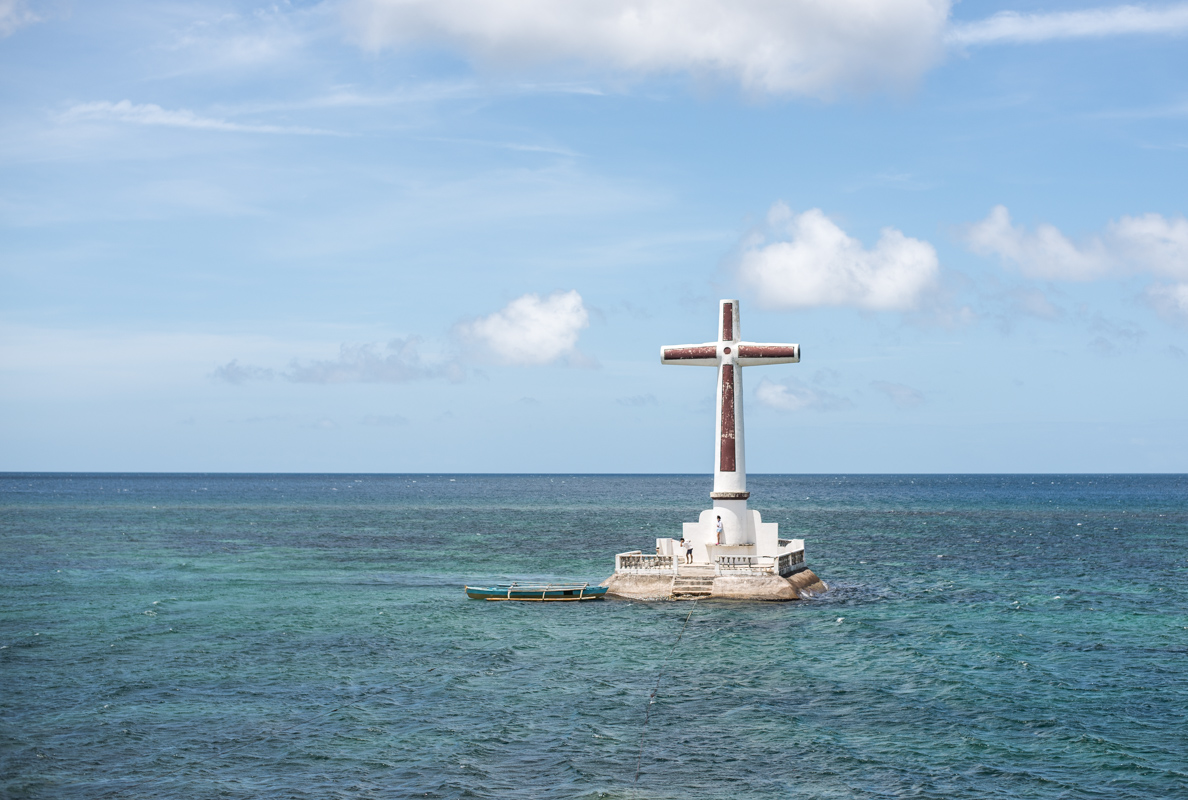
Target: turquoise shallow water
(266,636)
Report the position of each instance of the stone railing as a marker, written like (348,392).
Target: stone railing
(742,564)
(790,563)
(783,565)
(637,561)
(782,543)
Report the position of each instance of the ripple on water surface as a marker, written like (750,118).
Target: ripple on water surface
(306,636)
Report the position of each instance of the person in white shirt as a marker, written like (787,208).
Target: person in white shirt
(719,529)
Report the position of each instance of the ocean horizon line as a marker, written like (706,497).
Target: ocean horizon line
(575,474)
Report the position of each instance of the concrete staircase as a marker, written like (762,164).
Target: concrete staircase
(692,582)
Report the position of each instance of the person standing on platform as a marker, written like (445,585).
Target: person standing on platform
(719,530)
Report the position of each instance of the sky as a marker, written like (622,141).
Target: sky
(452,235)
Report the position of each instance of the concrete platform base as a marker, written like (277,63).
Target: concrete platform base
(801,586)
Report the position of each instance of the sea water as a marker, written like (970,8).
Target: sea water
(279,636)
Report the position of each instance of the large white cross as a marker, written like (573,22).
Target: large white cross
(730,470)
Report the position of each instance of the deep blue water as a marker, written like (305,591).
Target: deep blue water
(268,636)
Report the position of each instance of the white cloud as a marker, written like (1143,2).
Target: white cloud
(802,46)
(1046,253)
(530,330)
(899,394)
(815,263)
(152,114)
(796,396)
(1150,244)
(767,46)
(1012,27)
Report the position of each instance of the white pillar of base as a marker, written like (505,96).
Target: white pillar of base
(734,521)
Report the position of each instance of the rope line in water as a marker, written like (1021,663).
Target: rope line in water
(655,689)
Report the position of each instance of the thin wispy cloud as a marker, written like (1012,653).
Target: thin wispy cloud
(384,420)
(1169,300)
(425,93)
(125,111)
(398,361)
(806,260)
(1124,330)
(793,395)
(205,39)
(1031,302)
(1012,27)
(14,15)
(901,395)
(513,146)
(239,50)
(236,373)
(637,401)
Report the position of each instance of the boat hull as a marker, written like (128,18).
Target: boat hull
(537,593)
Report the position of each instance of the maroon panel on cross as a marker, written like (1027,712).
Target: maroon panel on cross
(767,351)
(726,460)
(683,353)
(728,322)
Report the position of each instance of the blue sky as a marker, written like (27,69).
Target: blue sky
(388,236)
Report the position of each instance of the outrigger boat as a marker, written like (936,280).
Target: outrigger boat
(536,592)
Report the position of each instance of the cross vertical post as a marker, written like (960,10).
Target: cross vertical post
(729,354)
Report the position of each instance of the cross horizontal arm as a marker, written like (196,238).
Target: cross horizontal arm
(691,355)
(754,354)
